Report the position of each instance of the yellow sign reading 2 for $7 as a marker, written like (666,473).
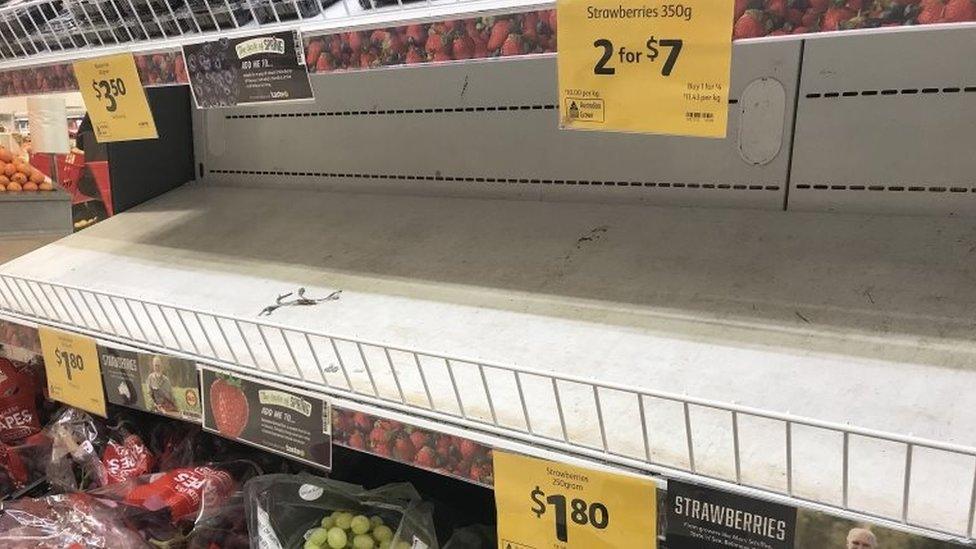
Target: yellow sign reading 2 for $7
(548,505)
(650,67)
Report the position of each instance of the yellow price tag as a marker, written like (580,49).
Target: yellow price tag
(543,504)
(651,67)
(74,375)
(115,99)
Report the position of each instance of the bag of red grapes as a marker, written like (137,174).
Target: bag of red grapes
(89,452)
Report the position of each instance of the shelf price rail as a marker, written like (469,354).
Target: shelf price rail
(171,329)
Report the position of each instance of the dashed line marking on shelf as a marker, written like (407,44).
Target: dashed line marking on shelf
(387,112)
(510,180)
(889,188)
(888,91)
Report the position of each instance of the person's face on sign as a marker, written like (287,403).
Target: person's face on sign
(861,539)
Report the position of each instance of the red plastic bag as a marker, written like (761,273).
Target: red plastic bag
(67,521)
(88,453)
(127,459)
(185,493)
(18,405)
(23,464)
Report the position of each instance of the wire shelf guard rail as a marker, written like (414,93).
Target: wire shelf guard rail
(35,30)
(727,444)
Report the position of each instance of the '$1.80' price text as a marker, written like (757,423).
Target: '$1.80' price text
(69,361)
(108,90)
(612,56)
(580,512)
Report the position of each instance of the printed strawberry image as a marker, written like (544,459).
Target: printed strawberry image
(752,24)
(957,11)
(415,56)
(499,32)
(229,406)
(513,45)
(834,17)
(416,35)
(426,457)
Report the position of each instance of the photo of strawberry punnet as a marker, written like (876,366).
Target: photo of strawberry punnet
(535,32)
(229,407)
(435,451)
(439,41)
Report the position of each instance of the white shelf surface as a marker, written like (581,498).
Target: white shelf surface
(845,319)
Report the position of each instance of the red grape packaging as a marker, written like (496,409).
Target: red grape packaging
(273,417)
(319,513)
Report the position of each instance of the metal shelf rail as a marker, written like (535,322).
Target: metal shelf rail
(44,31)
(274,352)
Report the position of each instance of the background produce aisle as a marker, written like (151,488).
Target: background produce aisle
(354,284)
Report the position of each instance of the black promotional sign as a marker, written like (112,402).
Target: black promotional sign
(155,383)
(267,415)
(254,69)
(120,375)
(701,518)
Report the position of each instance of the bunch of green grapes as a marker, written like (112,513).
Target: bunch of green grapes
(343,530)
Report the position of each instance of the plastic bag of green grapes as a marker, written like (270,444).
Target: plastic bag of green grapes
(310,512)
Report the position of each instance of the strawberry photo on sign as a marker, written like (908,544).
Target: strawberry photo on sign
(281,419)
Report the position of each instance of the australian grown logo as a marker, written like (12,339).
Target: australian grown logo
(263,44)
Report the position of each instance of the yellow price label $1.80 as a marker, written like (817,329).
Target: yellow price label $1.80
(74,375)
(545,504)
(115,99)
(650,67)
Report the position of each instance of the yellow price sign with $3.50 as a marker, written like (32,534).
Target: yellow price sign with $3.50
(115,99)
(74,375)
(645,66)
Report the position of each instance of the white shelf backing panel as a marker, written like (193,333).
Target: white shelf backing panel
(885,124)
(543,321)
(490,129)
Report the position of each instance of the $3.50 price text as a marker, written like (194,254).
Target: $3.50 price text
(69,361)
(612,56)
(108,90)
(580,512)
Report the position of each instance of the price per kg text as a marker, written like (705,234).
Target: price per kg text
(580,512)
(632,57)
